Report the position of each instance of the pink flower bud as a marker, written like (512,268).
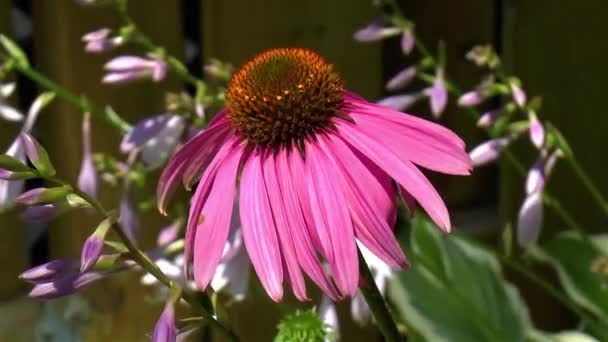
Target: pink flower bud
(401,79)
(131,68)
(408,41)
(88,177)
(99,42)
(438,94)
(489,118)
(165,329)
(470,99)
(399,102)
(48,272)
(64,286)
(375,31)
(537,132)
(519,96)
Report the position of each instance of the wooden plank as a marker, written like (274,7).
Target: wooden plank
(14,256)
(120,310)
(235,31)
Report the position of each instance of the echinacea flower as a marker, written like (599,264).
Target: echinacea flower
(317,163)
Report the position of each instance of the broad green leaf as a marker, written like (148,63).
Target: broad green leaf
(582,268)
(454,291)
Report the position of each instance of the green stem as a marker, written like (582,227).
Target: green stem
(149,266)
(588,183)
(82,102)
(376,304)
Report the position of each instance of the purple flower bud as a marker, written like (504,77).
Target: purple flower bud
(128,216)
(329,315)
(88,177)
(488,151)
(48,272)
(537,132)
(471,98)
(64,286)
(165,329)
(519,96)
(168,234)
(30,197)
(375,31)
(438,94)
(408,41)
(489,118)
(37,155)
(540,171)
(130,68)
(41,213)
(401,79)
(399,102)
(99,42)
(143,131)
(93,246)
(530,219)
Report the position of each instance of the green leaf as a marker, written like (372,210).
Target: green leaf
(556,139)
(582,268)
(13,164)
(14,51)
(455,291)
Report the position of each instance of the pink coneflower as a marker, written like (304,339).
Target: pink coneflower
(317,166)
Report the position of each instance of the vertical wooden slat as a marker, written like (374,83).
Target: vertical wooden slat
(119,308)
(14,256)
(235,31)
(559,53)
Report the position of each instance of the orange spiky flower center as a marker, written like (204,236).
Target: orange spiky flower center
(283,95)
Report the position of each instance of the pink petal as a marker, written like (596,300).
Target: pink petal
(202,194)
(402,170)
(413,126)
(422,150)
(211,234)
(297,225)
(283,228)
(364,195)
(258,228)
(180,162)
(332,216)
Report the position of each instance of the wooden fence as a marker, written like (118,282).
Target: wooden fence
(556,53)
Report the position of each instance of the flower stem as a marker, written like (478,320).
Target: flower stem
(82,102)
(376,304)
(588,183)
(149,266)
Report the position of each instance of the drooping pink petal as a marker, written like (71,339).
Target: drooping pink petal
(202,194)
(424,151)
(258,228)
(331,215)
(409,124)
(212,232)
(402,170)
(180,162)
(283,228)
(364,195)
(297,226)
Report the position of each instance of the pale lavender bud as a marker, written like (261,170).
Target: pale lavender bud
(37,155)
(519,96)
(329,316)
(88,177)
(401,79)
(130,68)
(162,146)
(540,171)
(9,113)
(471,98)
(128,216)
(375,31)
(489,118)
(64,286)
(530,219)
(93,246)
(537,132)
(10,189)
(488,151)
(168,234)
(99,41)
(438,94)
(30,147)
(408,41)
(165,329)
(48,272)
(399,102)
